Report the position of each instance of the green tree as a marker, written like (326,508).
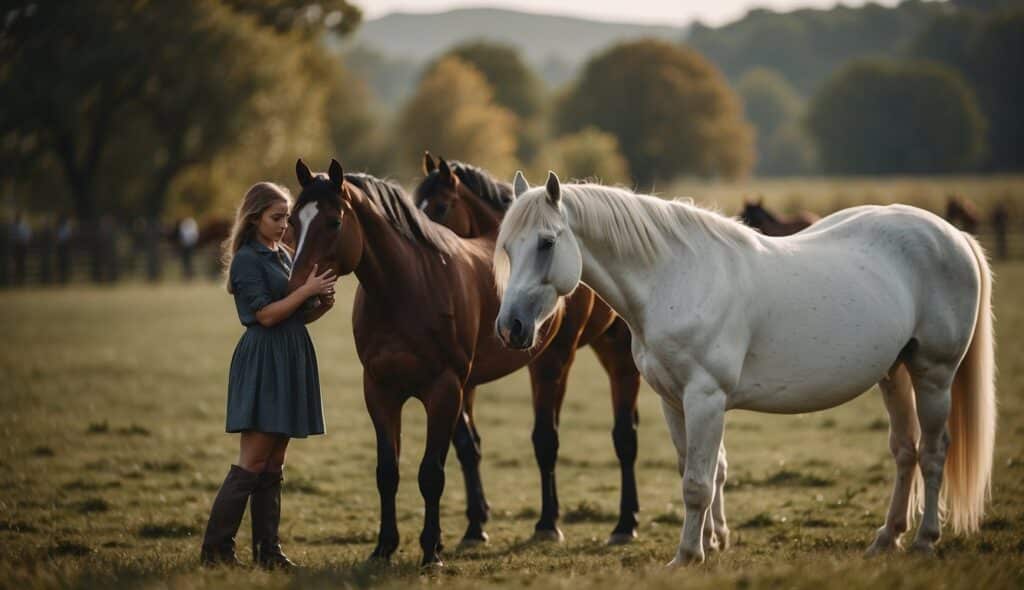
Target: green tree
(989,51)
(515,85)
(588,154)
(670,110)
(453,115)
(775,109)
(807,45)
(129,98)
(877,117)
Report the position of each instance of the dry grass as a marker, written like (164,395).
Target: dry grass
(113,403)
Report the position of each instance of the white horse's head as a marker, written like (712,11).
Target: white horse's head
(537,261)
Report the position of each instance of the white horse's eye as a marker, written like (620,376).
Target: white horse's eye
(546,243)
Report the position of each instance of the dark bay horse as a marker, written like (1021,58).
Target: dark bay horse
(962,213)
(756,216)
(471,203)
(423,321)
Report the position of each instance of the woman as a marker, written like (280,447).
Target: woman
(273,387)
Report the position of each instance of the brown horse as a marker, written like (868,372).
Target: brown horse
(471,203)
(963,214)
(423,321)
(756,216)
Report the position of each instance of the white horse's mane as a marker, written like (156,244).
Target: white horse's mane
(635,225)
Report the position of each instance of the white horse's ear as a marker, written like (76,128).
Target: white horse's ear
(519,184)
(553,187)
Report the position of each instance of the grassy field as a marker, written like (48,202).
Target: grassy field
(113,447)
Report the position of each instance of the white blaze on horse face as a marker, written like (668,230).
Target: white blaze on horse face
(423,205)
(306,216)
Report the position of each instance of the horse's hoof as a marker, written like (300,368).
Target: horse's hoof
(548,535)
(925,549)
(880,547)
(432,565)
(473,542)
(683,560)
(622,538)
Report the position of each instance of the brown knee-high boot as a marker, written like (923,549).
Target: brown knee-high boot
(265,509)
(226,516)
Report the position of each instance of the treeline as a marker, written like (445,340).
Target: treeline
(919,88)
(157,109)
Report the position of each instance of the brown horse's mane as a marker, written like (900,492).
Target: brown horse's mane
(498,195)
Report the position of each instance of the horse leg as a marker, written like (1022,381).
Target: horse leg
(385,408)
(898,394)
(467,449)
(933,395)
(443,403)
(613,351)
(548,374)
(704,417)
(716,531)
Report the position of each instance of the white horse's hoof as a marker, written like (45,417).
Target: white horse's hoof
(622,538)
(683,560)
(548,536)
(924,548)
(882,547)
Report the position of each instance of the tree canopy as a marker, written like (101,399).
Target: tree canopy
(454,116)
(126,103)
(878,117)
(670,110)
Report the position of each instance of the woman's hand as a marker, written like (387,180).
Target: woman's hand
(320,284)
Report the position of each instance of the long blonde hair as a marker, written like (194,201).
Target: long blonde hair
(257,199)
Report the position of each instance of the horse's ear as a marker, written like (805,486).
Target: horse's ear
(519,184)
(553,187)
(446,172)
(302,173)
(336,174)
(428,163)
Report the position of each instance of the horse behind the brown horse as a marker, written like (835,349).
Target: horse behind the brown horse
(756,216)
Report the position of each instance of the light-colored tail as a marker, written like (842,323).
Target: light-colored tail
(967,480)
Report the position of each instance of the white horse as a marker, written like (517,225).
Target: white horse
(723,318)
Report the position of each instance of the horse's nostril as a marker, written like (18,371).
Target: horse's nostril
(517,328)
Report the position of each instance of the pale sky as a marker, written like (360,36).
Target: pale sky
(663,12)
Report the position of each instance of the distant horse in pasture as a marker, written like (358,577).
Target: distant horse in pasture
(756,216)
(470,202)
(423,322)
(963,214)
(725,318)
(1000,227)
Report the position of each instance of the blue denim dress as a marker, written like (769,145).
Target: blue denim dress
(273,385)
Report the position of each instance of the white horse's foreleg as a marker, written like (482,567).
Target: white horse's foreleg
(719,541)
(704,414)
(933,397)
(904,432)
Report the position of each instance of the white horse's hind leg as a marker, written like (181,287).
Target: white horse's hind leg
(898,394)
(932,387)
(704,414)
(716,531)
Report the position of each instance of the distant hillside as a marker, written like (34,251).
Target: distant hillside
(543,39)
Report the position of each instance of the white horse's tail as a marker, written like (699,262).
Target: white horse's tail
(967,480)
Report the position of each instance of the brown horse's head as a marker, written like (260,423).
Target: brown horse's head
(754,214)
(326,229)
(464,198)
(438,195)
